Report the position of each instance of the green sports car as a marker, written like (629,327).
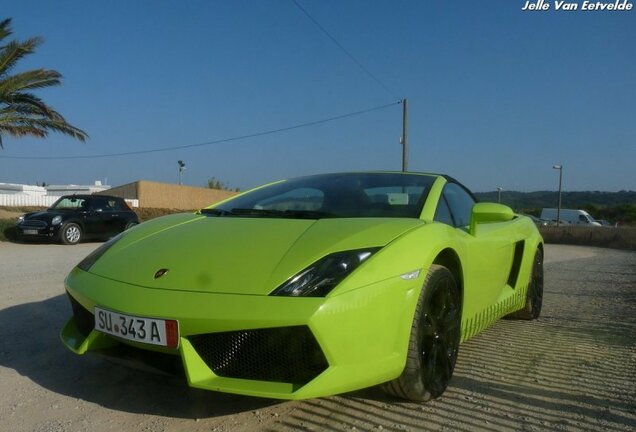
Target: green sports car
(311,286)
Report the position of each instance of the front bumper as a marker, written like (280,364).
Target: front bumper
(43,230)
(277,347)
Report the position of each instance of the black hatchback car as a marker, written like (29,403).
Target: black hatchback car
(73,218)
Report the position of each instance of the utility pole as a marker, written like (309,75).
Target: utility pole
(560,168)
(181,165)
(499,189)
(403,140)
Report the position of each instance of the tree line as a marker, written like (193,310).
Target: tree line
(612,206)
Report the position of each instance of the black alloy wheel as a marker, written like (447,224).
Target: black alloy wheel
(434,341)
(534,297)
(536,285)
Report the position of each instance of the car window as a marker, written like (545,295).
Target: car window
(111,205)
(70,203)
(296,199)
(334,195)
(460,203)
(442,213)
(97,205)
(119,205)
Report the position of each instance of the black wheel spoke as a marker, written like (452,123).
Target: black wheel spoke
(451,321)
(430,362)
(428,331)
(445,365)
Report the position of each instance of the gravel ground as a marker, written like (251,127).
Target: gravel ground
(572,370)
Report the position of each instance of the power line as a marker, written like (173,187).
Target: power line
(207,143)
(343,49)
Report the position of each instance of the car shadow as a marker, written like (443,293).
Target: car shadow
(32,347)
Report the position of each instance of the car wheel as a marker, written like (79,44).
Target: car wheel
(534,296)
(130,225)
(434,341)
(71,234)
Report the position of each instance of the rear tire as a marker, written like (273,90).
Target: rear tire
(534,297)
(130,225)
(434,341)
(71,234)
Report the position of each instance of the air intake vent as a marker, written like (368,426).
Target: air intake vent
(84,319)
(283,354)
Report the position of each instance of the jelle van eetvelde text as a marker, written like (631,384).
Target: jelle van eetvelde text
(586,5)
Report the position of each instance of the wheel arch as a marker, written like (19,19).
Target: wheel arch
(76,222)
(450,259)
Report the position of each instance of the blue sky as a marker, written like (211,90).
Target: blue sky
(496,95)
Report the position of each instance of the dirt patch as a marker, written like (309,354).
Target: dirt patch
(7,214)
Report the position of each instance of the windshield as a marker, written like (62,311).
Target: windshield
(69,203)
(334,195)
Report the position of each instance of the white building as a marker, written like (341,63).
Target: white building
(21,189)
(59,190)
(20,195)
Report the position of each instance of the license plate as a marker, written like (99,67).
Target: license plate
(30,232)
(139,329)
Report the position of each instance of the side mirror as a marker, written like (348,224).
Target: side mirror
(489,213)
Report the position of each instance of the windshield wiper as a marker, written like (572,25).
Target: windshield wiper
(216,212)
(309,214)
(254,212)
(290,214)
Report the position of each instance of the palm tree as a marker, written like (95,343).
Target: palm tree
(21,112)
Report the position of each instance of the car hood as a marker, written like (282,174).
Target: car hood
(45,215)
(236,255)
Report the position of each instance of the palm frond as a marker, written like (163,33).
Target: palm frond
(5,28)
(21,112)
(28,80)
(14,51)
(23,125)
(38,105)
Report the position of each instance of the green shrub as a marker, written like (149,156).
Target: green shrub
(8,230)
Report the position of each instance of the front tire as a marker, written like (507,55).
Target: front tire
(71,234)
(534,297)
(434,341)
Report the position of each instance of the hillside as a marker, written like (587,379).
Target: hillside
(612,206)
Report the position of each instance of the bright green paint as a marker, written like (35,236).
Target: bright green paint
(488,213)
(221,270)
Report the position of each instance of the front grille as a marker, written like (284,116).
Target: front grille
(141,359)
(33,224)
(283,354)
(84,320)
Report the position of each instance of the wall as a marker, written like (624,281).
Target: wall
(616,238)
(166,195)
(12,200)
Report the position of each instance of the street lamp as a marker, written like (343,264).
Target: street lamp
(499,189)
(181,168)
(560,168)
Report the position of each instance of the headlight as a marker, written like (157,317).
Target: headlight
(320,278)
(21,219)
(56,220)
(88,262)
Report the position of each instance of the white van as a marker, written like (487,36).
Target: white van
(570,216)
